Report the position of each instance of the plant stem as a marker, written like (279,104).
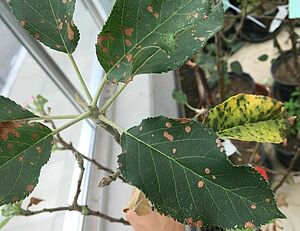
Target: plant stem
(79,118)
(97,96)
(111,123)
(42,117)
(219,63)
(289,170)
(79,208)
(113,98)
(78,73)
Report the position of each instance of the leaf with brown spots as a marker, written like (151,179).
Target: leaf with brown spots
(24,148)
(50,22)
(142,37)
(249,118)
(188,178)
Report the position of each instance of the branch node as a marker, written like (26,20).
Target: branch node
(109,179)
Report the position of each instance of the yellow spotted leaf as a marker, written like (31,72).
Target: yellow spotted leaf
(249,118)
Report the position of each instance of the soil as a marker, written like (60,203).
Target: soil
(232,87)
(283,74)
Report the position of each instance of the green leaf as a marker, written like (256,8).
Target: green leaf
(180,97)
(154,36)
(49,21)
(9,110)
(24,148)
(178,166)
(236,67)
(249,118)
(263,58)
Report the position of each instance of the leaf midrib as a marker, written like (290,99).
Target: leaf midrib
(153,148)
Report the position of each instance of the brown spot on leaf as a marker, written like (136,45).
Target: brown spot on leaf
(214,177)
(268,200)
(104,49)
(38,149)
(129,57)
(199,223)
(253,206)
(9,127)
(205,17)
(60,25)
(34,136)
(70,32)
(168,136)
(183,120)
(14,199)
(128,31)
(29,188)
(37,36)
(127,42)
(249,224)
(150,9)
(200,183)
(187,129)
(22,23)
(21,158)
(174,150)
(207,170)
(168,125)
(141,128)
(156,15)
(64,1)
(57,46)
(10,146)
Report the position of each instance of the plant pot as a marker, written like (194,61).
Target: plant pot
(261,90)
(285,154)
(185,80)
(254,33)
(285,82)
(237,83)
(282,92)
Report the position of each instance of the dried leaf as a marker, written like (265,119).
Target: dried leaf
(139,203)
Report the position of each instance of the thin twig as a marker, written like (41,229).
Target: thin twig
(80,208)
(114,132)
(107,180)
(80,178)
(289,170)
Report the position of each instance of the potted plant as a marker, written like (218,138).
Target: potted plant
(290,149)
(286,68)
(176,162)
(263,12)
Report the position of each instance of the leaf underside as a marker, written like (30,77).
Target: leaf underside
(182,172)
(49,21)
(24,149)
(249,118)
(148,36)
